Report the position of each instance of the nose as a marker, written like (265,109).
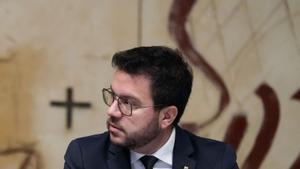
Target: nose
(113,110)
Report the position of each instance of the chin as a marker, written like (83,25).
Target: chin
(120,141)
(116,139)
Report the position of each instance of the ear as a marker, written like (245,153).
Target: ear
(167,116)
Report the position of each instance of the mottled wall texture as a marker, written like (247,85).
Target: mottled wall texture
(245,55)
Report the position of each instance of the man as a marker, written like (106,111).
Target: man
(147,97)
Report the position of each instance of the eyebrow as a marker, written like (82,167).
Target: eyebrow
(138,102)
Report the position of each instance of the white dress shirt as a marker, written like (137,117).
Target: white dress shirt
(164,155)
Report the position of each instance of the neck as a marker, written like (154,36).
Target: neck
(156,143)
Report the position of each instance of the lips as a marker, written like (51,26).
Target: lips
(113,128)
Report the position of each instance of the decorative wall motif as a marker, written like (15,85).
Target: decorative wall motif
(237,128)
(69,104)
(31,157)
(245,56)
(178,16)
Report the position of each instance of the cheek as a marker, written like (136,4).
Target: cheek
(138,123)
(134,124)
(129,124)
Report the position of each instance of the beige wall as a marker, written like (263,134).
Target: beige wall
(47,46)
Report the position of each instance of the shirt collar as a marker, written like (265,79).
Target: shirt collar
(165,153)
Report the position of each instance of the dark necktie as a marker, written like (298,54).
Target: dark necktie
(148,161)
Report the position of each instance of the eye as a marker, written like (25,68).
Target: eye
(125,101)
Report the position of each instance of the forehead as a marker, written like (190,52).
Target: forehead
(137,86)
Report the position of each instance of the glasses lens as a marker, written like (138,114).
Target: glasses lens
(125,107)
(108,97)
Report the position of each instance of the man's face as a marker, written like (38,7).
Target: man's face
(143,125)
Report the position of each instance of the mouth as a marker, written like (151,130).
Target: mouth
(113,128)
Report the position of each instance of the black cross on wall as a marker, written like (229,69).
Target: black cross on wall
(70,104)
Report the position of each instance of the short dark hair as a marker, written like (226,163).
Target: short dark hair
(171,76)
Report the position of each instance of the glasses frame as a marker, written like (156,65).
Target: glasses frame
(116,97)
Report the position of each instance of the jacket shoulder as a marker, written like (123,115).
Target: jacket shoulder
(211,152)
(86,152)
(93,144)
(202,142)
(92,139)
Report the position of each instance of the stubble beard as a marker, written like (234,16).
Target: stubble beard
(142,137)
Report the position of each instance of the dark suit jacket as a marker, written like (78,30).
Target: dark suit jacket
(97,152)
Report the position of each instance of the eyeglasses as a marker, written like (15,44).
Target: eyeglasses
(124,104)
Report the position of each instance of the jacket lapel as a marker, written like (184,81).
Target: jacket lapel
(183,150)
(118,157)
